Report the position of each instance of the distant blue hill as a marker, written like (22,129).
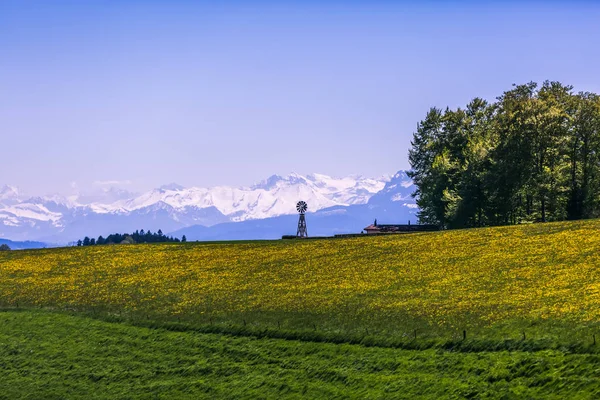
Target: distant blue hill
(23,245)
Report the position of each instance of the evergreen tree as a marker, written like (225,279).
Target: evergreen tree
(426,157)
(136,237)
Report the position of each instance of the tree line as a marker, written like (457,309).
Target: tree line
(533,155)
(138,236)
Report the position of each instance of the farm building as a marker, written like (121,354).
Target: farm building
(375,228)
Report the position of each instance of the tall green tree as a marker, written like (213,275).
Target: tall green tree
(584,154)
(428,169)
(533,155)
(470,191)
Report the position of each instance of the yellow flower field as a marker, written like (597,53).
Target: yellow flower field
(473,278)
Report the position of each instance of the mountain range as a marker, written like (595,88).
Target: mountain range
(265,210)
(23,245)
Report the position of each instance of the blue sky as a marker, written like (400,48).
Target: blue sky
(202,94)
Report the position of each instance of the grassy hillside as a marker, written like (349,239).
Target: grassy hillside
(54,355)
(538,282)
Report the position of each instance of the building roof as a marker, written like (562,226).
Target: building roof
(401,227)
(372,227)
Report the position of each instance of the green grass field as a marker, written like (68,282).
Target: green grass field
(372,317)
(46,355)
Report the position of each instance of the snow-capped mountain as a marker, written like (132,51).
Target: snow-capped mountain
(274,196)
(9,194)
(398,190)
(392,204)
(171,207)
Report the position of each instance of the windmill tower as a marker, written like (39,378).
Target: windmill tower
(301,207)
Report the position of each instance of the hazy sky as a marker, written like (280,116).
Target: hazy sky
(151,92)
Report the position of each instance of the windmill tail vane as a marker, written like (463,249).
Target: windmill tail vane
(302,232)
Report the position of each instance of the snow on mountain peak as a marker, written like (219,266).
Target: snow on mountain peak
(276,195)
(9,192)
(268,183)
(172,186)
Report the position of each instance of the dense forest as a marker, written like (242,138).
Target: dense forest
(129,238)
(532,155)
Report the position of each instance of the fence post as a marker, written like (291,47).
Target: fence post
(464,335)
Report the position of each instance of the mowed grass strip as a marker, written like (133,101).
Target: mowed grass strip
(54,355)
(533,281)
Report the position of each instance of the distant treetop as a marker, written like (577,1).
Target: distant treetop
(140,236)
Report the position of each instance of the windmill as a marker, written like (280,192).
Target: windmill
(301,207)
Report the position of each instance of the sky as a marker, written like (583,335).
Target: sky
(137,94)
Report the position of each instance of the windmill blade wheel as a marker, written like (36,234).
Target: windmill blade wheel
(301,207)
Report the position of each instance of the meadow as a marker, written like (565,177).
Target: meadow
(515,308)
(46,355)
(540,281)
